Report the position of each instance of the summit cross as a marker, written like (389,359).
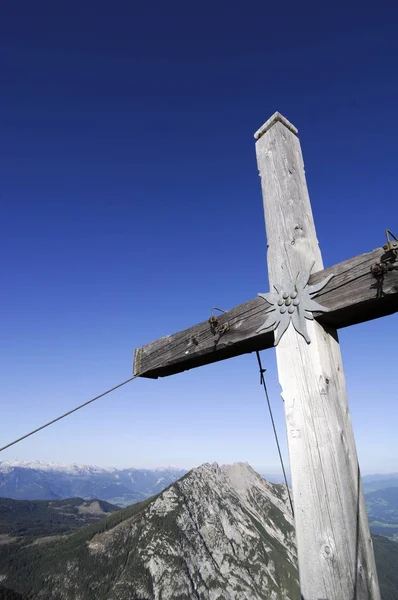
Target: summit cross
(300,317)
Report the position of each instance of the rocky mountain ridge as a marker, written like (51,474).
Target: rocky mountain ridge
(220,532)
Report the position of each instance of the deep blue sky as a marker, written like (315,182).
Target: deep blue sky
(131,204)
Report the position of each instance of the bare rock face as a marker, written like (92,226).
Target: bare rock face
(219,533)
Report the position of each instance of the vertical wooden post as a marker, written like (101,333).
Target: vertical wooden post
(335,552)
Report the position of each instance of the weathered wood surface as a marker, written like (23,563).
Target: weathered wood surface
(353,296)
(335,551)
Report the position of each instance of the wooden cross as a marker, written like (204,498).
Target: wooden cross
(300,316)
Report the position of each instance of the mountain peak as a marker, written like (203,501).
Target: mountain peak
(218,532)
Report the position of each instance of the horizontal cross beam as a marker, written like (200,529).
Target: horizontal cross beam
(354,295)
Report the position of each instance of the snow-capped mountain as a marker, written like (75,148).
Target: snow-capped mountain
(38,465)
(22,480)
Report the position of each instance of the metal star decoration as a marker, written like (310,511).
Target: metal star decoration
(293,301)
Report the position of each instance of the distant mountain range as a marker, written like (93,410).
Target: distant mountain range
(121,487)
(42,481)
(371,483)
(219,532)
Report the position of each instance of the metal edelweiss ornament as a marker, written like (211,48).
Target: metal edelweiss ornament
(293,301)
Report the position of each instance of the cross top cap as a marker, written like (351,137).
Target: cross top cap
(276,117)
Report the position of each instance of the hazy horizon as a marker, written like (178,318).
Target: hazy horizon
(266,471)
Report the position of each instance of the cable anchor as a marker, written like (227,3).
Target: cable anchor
(215,326)
(387,261)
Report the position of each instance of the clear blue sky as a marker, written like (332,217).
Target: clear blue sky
(131,204)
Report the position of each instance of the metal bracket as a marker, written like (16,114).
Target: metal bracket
(387,261)
(215,326)
(392,245)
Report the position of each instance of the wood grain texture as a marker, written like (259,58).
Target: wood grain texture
(335,551)
(353,296)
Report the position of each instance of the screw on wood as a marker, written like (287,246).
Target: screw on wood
(379,269)
(194,340)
